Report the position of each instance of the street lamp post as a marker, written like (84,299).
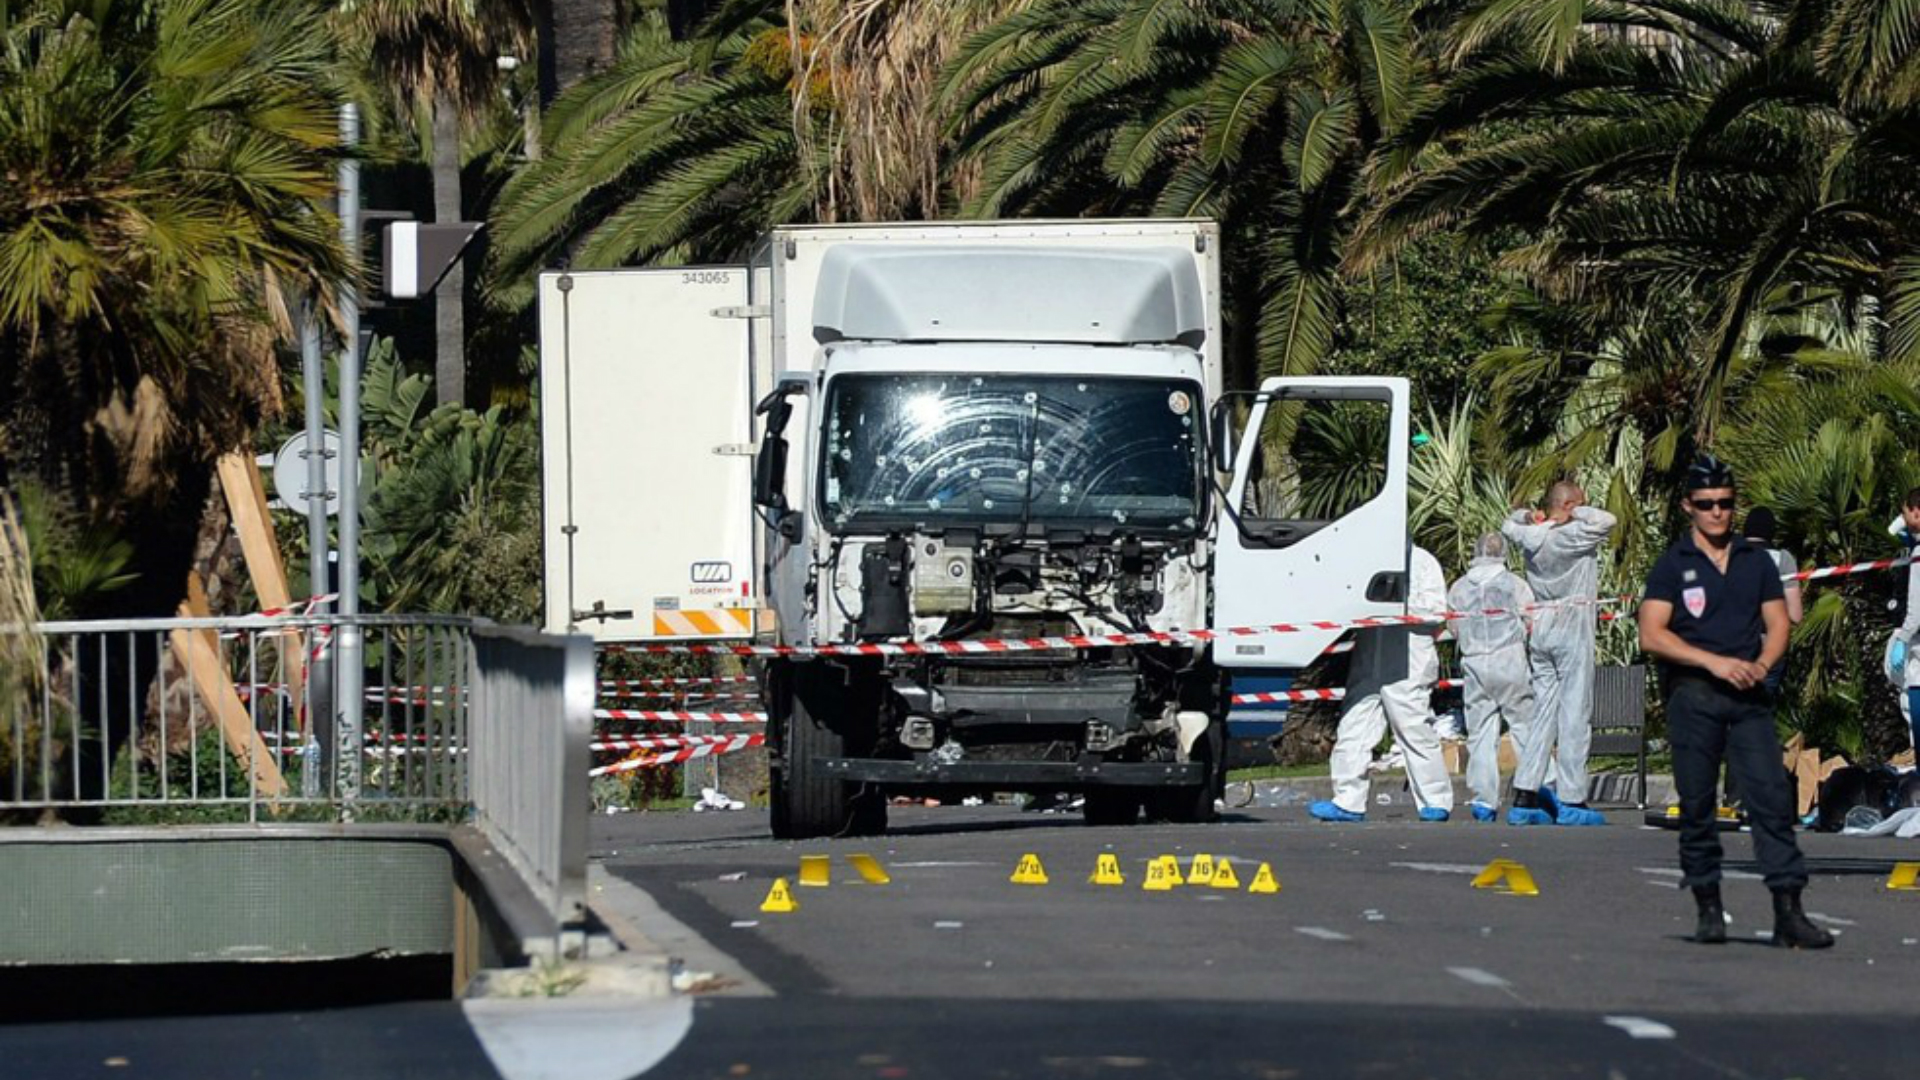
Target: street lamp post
(350,644)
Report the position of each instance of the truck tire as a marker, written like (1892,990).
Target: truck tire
(812,718)
(1190,804)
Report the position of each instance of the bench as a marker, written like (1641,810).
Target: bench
(1620,724)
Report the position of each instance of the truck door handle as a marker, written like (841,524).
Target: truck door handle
(1388,587)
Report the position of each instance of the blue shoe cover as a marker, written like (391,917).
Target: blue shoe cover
(1433,813)
(1550,801)
(1528,816)
(1578,815)
(1483,812)
(1326,810)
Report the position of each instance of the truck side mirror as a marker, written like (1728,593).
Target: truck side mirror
(769,473)
(1223,448)
(770,462)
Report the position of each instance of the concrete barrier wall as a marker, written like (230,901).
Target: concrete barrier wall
(172,896)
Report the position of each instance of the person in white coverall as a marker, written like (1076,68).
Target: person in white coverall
(1906,529)
(1493,653)
(1562,548)
(1403,705)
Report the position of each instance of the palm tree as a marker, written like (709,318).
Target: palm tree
(683,151)
(453,512)
(1832,444)
(1739,153)
(454,520)
(20,651)
(438,58)
(1260,113)
(884,146)
(167,164)
(771,113)
(578,40)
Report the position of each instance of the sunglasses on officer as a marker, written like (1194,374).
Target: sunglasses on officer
(1704,505)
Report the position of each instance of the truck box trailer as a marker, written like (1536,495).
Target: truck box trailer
(938,470)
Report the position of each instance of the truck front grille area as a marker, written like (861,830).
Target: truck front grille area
(1110,703)
(1029,670)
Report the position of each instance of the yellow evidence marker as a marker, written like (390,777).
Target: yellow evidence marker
(870,869)
(1264,881)
(1106,871)
(1157,877)
(1202,871)
(1223,875)
(1905,877)
(779,899)
(816,871)
(1507,876)
(1172,866)
(1029,872)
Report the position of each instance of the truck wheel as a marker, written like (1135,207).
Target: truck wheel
(805,801)
(1193,803)
(1112,806)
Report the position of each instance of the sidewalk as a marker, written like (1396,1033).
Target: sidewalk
(1607,790)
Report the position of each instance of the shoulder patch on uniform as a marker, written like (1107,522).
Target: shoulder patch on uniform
(1689,575)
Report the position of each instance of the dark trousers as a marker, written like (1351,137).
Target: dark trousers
(1913,714)
(1708,722)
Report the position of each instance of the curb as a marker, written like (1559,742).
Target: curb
(1611,790)
(686,962)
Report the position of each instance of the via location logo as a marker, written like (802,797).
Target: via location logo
(712,573)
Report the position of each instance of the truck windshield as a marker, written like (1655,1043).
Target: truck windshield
(1095,453)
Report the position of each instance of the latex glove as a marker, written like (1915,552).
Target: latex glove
(1898,656)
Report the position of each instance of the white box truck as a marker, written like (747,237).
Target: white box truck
(908,436)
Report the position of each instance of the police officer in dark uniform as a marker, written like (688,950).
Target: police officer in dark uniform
(1715,616)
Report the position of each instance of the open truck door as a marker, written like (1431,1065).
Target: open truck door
(646,406)
(1314,526)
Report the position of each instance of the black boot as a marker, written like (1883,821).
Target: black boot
(1791,929)
(1712,928)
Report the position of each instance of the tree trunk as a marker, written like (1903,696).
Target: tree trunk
(106,674)
(450,322)
(577,41)
(216,559)
(530,130)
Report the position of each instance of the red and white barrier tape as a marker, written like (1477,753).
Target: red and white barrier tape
(1849,568)
(662,742)
(679,695)
(298,607)
(1287,696)
(696,680)
(1176,637)
(681,716)
(1013,645)
(729,745)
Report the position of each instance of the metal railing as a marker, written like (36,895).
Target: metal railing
(152,721)
(531,719)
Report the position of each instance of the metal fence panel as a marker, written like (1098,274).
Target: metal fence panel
(236,719)
(531,721)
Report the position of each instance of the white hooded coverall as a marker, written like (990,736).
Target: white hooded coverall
(1910,630)
(1404,705)
(1563,566)
(1493,653)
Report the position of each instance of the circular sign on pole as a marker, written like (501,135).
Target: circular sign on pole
(290,472)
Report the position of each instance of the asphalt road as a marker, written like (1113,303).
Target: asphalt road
(1375,957)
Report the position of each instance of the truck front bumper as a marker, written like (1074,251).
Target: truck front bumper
(1018,775)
